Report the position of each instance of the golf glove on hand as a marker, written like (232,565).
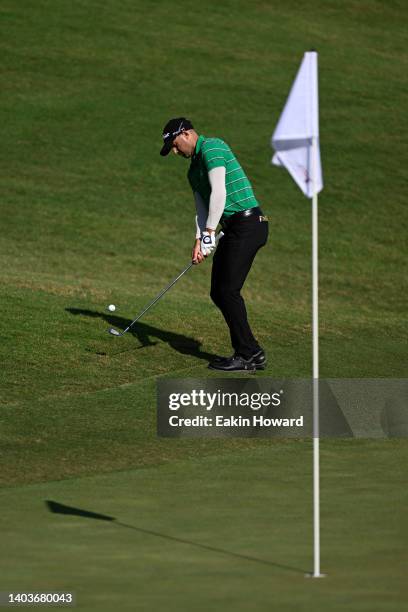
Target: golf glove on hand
(207,243)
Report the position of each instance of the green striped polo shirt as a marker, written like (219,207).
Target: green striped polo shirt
(211,153)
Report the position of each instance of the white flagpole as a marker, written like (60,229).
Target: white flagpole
(315,333)
(315,326)
(296,144)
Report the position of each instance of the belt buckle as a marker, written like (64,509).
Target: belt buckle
(263,218)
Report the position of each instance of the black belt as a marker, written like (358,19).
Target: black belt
(242,214)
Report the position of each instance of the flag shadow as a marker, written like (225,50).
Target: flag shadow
(58,508)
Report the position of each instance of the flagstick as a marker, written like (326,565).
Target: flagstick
(299,120)
(315,326)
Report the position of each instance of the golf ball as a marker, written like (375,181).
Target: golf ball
(111,307)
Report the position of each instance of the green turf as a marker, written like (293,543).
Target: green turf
(207,534)
(86,210)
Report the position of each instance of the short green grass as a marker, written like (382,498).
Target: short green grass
(87,207)
(226,533)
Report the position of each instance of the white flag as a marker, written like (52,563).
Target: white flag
(298,129)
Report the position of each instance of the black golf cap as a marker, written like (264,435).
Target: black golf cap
(171,130)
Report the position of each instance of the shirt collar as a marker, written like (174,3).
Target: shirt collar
(198,144)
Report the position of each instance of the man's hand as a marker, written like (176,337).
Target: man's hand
(207,242)
(196,255)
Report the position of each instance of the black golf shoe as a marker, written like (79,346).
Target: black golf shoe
(258,358)
(219,358)
(236,363)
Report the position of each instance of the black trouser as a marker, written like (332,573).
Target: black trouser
(236,250)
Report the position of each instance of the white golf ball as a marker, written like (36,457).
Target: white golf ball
(111,307)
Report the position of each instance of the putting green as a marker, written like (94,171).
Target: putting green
(223,533)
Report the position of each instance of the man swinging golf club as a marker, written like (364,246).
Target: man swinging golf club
(223,194)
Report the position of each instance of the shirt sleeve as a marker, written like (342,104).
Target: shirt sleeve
(201,216)
(215,155)
(216,176)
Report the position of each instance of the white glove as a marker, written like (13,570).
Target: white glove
(207,243)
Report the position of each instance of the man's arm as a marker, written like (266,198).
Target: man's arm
(207,224)
(216,176)
(201,216)
(201,219)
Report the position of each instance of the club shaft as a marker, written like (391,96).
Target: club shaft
(156,299)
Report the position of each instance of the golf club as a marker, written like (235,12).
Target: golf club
(115,332)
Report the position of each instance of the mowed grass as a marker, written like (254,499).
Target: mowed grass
(92,215)
(222,533)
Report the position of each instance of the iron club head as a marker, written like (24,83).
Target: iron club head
(114,332)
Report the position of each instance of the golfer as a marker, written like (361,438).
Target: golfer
(223,194)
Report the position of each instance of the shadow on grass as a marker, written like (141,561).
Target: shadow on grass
(57,508)
(144,332)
